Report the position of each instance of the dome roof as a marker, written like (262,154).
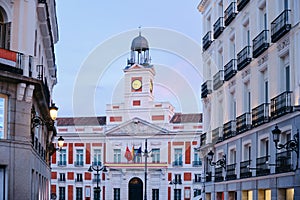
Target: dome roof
(139,44)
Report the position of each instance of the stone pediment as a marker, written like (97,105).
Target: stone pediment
(135,127)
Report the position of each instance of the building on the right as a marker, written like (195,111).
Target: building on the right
(251,97)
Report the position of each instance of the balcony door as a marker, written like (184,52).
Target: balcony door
(135,189)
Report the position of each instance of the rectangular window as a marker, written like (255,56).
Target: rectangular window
(197,161)
(287,78)
(197,178)
(2,183)
(78,193)
(62,177)
(155,194)
(78,177)
(177,194)
(178,179)
(79,157)
(156,155)
(61,193)
(3,110)
(178,157)
(232,156)
(264,147)
(62,158)
(97,157)
(117,194)
(117,155)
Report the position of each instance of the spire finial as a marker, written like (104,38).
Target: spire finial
(140,30)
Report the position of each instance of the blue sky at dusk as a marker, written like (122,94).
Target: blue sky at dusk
(172,28)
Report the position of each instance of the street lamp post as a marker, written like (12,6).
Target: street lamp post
(97,168)
(221,162)
(175,182)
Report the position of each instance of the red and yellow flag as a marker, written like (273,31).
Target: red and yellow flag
(128,154)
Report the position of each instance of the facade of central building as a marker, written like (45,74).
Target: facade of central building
(118,141)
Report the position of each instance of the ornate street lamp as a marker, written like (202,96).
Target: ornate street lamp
(97,168)
(221,162)
(291,145)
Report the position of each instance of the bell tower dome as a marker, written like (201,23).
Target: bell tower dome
(139,51)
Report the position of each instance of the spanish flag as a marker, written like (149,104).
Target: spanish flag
(128,154)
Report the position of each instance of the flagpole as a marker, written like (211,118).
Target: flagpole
(146,156)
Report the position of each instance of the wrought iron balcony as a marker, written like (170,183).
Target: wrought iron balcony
(62,163)
(230,69)
(218,79)
(284,162)
(218,27)
(280,26)
(281,104)
(203,140)
(206,41)
(217,135)
(260,43)
(177,163)
(219,174)
(78,163)
(262,167)
(230,172)
(244,169)
(197,163)
(229,129)
(97,163)
(208,177)
(243,58)
(241,4)
(260,114)
(206,88)
(11,61)
(243,122)
(230,13)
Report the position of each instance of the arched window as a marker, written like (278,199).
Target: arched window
(4,31)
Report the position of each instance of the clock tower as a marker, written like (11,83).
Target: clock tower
(139,74)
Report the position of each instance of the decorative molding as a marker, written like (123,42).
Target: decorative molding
(263,59)
(21,91)
(285,43)
(28,93)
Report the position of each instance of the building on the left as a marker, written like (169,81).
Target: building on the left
(28,32)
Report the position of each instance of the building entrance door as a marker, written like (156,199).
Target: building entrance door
(135,189)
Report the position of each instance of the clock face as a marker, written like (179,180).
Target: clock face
(136,84)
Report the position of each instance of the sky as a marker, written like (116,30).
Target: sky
(94,45)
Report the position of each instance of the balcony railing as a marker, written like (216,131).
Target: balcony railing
(218,79)
(78,180)
(260,43)
(230,13)
(241,4)
(281,104)
(244,58)
(177,163)
(243,122)
(262,166)
(61,179)
(230,69)
(197,163)
(206,41)
(229,129)
(280,26)
(230,172)
(284,162)
(11,61)
(208,176)
(217,135)
(260,114)
(244,169)
(206,88)
(78,163)
(219,174)
(203,140)
(62,163)
(218,27)
(97,163)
